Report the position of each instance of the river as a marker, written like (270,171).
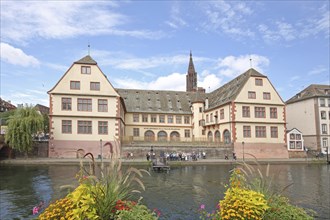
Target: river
(177,194)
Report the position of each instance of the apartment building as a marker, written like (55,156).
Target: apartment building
(309,111)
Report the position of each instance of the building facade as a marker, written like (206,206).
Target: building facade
(246,113)
(309,111)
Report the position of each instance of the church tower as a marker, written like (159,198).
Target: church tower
(191,77)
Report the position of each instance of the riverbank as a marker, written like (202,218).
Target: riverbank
(143,161)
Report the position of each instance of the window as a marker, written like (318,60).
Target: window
(328,102)
(246,111)
(274,132)
(292,137)
(322,102)
(136,117)
(144,117)
(292,145)
(251,95)
(102,105)
(273,112)
(216,117)
(75,85)
(211,117)
(246,131)
(170,119)
(178,119)
(103,127)
(266,95)
(200,109)
(207,118)
(187,133)
(259,112)
(261,131)
(66,104)
(95,86)
(161,118)
(136,132)
(84,127)
(222,113)
(153,118)
(66,126)
(324,129)
(86,70)
(325,142)
(186,119)
(298,145)
(258,82)
(85,105)
(298,136)
(323,115)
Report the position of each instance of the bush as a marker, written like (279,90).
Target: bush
(280,208)
(243,204)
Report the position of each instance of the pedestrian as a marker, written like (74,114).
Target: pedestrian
(148,156)
(234,156)
(226,156)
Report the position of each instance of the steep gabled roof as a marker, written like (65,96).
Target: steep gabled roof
(311,91)
(159,101)
(229,91)
(86,60)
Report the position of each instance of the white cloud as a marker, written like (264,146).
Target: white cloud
(227,17)
(174,81)
(281,30)
(318,70)
(232,66)
(176,21)
(209,82)
(16,56)
(64,19)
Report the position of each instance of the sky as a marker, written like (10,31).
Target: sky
(146,44)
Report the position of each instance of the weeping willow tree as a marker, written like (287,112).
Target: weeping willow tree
(22,126)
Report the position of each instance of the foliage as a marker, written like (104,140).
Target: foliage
(135,212)
(25,123)
(113,185)
(4,116)
(241,203)
(60,209)
(83,203)
(103,197)
(280,208)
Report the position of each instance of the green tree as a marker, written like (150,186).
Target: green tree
(22,126)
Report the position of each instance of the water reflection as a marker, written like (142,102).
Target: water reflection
(177,194)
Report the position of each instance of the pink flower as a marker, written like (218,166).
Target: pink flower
(35,210)
(202,206)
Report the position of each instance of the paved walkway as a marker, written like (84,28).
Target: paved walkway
(144,161)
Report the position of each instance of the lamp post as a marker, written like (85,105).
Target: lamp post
(243,150)
(327,151)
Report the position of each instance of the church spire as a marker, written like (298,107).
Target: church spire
(191,77)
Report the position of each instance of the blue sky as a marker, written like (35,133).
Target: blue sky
(146,44)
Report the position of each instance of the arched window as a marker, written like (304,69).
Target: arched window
(149,135)
(162,136)
(217,136)
(226,136)
(209,136)
(175,136)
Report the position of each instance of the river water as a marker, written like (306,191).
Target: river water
(177,194)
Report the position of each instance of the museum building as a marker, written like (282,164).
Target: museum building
(87,113)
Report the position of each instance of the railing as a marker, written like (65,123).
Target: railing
(152,141)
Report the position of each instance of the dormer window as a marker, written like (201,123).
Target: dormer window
(85,70)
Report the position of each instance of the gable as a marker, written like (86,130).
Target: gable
(74,73)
